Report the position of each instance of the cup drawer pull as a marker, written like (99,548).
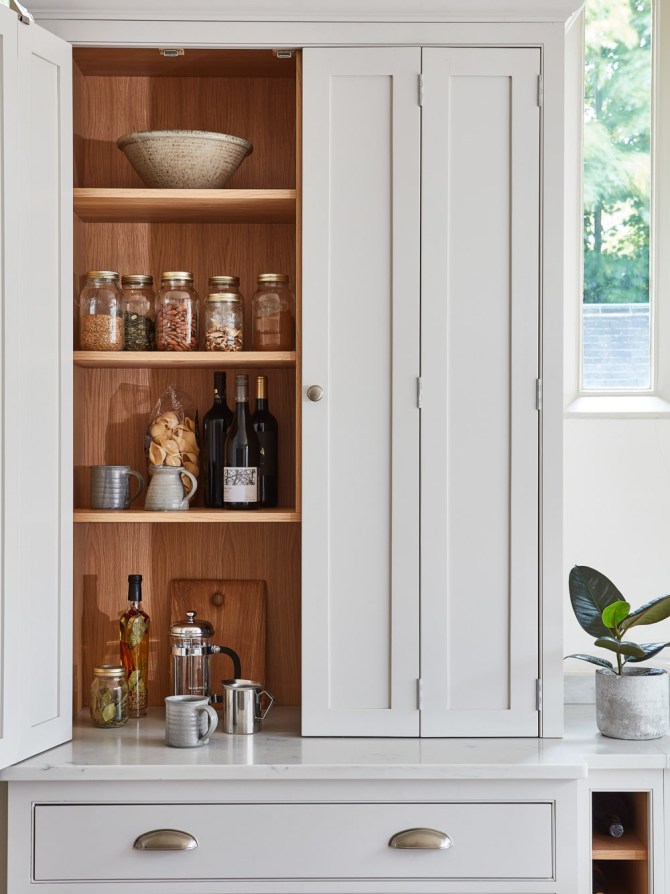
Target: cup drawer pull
(165,840)
(427,839)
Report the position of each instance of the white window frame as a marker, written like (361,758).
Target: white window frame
(654,402)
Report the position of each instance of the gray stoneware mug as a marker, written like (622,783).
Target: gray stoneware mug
(189,721)
(242,706)
(110,487)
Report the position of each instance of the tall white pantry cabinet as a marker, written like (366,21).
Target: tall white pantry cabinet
(432,245)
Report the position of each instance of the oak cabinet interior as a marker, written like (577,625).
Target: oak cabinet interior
(248,93)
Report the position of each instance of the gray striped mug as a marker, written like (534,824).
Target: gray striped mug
(110,487)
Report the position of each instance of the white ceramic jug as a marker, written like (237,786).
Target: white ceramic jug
(166,491)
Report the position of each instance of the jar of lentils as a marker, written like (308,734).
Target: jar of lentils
(139,299)
(224,312)
(177,313)
(100,313)
(109,696)
(273,312)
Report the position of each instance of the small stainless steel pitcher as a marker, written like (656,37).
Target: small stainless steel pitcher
(242,710)
(110,487)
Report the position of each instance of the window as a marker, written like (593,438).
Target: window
(617,330)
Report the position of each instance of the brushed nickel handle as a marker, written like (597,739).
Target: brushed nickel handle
(426,839)
(165,840)
(315,392)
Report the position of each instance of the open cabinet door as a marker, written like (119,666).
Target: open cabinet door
(36,617)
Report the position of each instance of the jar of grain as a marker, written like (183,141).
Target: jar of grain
(273,313)
(177,313)
(100,314)
(224,312)
(139,299)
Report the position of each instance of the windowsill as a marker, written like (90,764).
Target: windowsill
(618,406)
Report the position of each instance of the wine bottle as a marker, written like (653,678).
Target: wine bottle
(265,426)
(215,425)
(134,637)
(610,814)
(599,884)
(242,454)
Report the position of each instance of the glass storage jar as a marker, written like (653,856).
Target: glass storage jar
(224,325)
(177,313)
(109,696)
(139,299)
(100,314)
(273,311)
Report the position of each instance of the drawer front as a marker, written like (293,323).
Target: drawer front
(94,842)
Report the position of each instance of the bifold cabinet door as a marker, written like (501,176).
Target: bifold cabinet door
(36,391)
(479,422)
(360,248)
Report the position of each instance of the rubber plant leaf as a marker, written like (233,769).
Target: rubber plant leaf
(621,648)
(601,662)
(649,613)
(649,649)
(590,593)
(615,613)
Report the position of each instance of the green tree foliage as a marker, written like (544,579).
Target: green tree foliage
(617,138)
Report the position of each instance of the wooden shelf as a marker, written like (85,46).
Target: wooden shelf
(628,847)
(192,516)
(184,360)
(94,205)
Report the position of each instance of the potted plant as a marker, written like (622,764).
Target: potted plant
(631,702)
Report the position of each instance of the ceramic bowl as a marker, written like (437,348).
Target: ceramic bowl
(184,159)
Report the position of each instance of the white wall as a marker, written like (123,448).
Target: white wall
(617,517)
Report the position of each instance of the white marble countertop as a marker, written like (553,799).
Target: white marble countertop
(137,751)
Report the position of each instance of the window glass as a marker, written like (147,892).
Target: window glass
(616,334)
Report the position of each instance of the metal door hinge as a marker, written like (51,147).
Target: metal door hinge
(283,54)
(538,695)
(419,694)
(540,90)
(538,394)
(421,90)
(24,16)
(419,392)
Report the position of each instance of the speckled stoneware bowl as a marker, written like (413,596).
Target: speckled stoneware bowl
(184,159)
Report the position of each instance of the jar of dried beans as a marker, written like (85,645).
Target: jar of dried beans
(138,312)
(100,313)
(273,312)
(177,313)
(224,315)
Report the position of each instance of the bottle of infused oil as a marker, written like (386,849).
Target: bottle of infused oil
(134,636)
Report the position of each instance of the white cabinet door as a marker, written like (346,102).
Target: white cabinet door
(360,246)
(479,425)
(36,394)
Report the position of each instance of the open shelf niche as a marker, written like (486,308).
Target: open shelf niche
(625,861)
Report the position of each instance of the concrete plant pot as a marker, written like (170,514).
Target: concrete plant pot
(634,705)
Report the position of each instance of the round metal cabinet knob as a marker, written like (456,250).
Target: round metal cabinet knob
(315,392)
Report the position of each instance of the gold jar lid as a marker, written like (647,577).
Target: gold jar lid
(223,281)
(109,670)
(273,277)
(176,274)
(102,274)
(137,279)
(217,297)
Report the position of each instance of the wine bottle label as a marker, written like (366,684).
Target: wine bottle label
(240,484)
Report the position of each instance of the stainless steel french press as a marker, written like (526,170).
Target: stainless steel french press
(191,649)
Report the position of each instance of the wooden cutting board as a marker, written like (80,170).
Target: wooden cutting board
(236,610)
